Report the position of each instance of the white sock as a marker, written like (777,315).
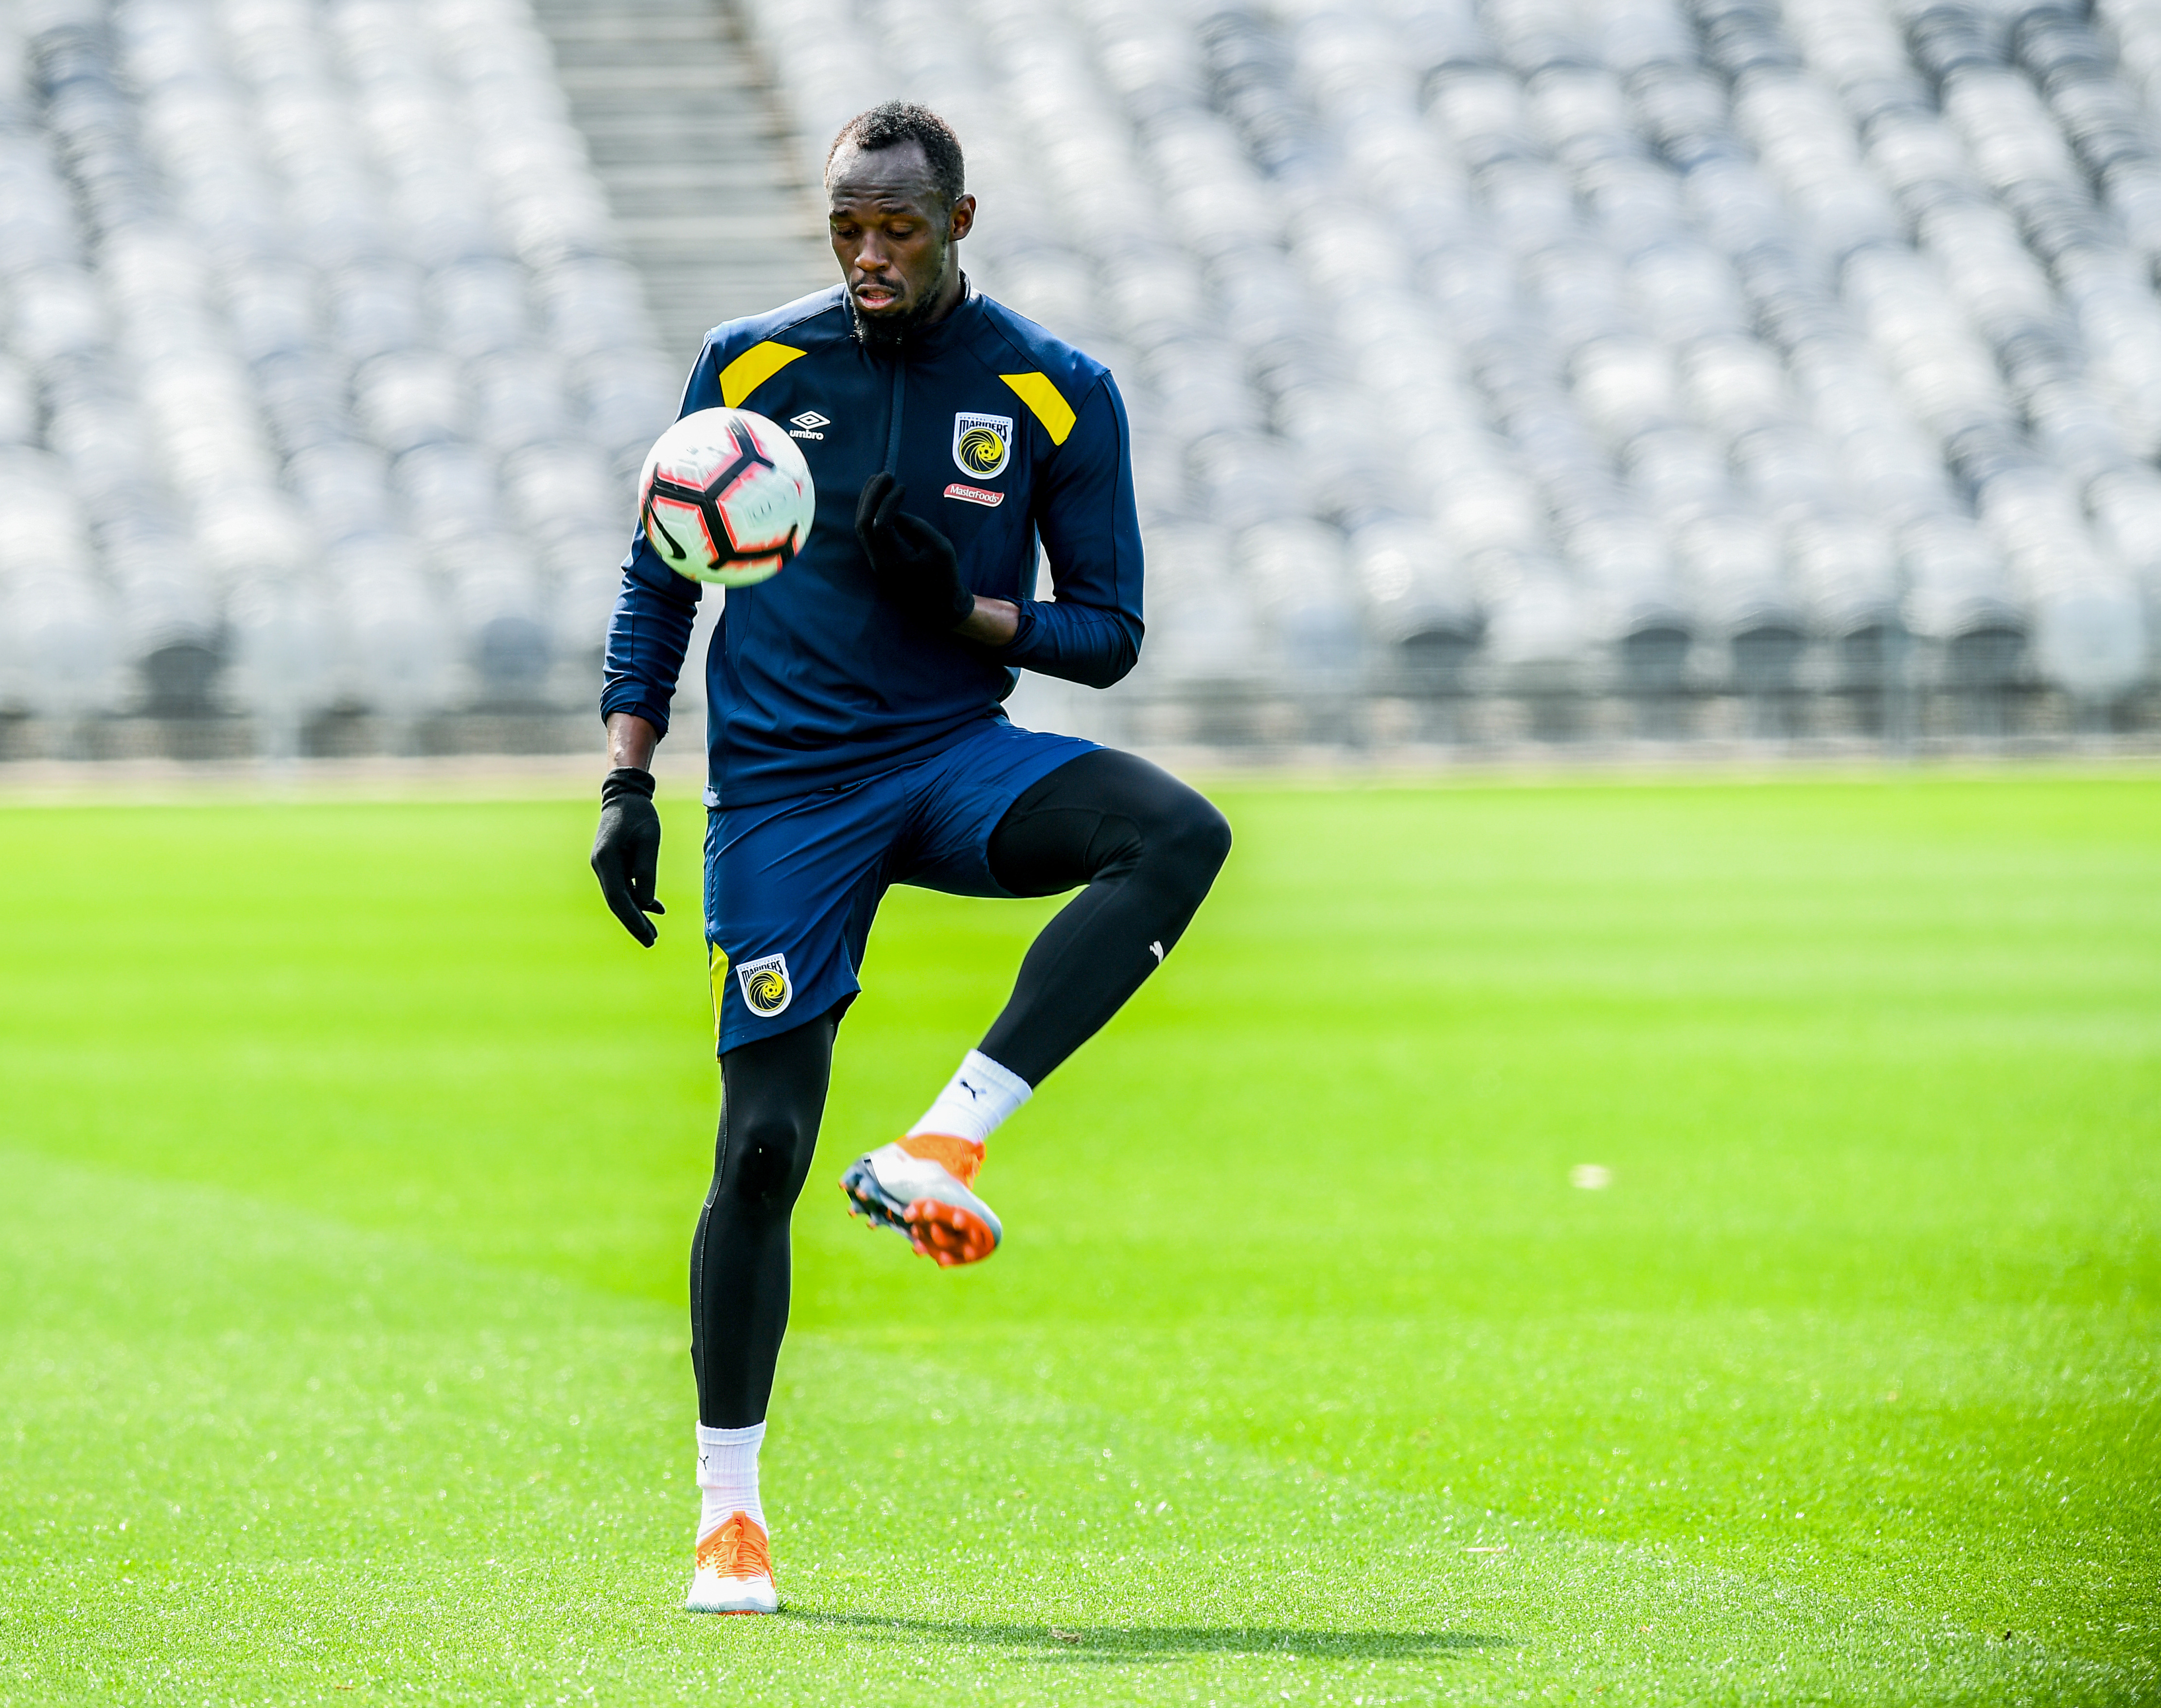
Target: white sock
(728,1476)
(976,1100)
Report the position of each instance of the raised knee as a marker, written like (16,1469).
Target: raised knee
(1216,834)
(1197,838)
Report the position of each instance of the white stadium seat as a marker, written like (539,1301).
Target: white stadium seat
(1652,343)
(299,291)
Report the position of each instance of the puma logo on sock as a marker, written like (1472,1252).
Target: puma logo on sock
(1156,949)
(976,1100)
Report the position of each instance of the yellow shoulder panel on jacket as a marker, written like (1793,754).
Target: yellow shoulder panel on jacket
(752,369)
(1044,402)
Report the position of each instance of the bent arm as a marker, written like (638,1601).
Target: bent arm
(647,636)
(993,623)
(1091,632)
(1082,643)
(649,630)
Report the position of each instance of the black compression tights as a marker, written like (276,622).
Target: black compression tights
(1145,846)
(773,1093)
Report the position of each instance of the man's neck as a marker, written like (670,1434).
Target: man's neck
(950,293)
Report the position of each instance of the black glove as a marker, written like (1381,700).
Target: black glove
(627,850)
(916,565)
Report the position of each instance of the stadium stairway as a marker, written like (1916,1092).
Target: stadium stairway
(688,141)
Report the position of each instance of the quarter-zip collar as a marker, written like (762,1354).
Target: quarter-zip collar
(926,344)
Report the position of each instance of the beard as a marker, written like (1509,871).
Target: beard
(886,331)
(889,332)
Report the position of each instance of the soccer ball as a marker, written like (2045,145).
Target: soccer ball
(725,497)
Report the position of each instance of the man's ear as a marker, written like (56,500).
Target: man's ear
(962,219)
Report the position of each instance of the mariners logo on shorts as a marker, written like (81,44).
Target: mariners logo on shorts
(766,991)
(981,444)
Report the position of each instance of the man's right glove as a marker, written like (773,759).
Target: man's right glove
(916,565)
(627,850)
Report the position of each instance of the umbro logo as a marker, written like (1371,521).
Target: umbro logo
(806,425)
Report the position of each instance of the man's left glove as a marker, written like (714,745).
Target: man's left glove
(916,565)
(627,850)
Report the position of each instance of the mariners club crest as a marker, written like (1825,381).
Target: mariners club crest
(766,990)
(981,444)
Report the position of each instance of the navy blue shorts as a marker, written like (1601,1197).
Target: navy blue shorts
(792,886)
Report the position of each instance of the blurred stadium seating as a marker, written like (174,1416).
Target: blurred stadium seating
(1545,366)
(324,369)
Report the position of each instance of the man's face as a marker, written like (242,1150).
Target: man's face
(893,233)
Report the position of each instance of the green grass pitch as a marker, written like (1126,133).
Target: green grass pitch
(349,1153)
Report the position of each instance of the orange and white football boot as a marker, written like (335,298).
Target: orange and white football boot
(921,1186)
(734,1572)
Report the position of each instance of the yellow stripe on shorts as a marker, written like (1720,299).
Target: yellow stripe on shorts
(716,972)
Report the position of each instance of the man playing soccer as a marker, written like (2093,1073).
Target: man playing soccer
(856,742)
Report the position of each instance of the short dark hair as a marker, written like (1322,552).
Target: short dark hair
(892,122)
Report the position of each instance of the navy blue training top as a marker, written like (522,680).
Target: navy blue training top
(1003,435)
